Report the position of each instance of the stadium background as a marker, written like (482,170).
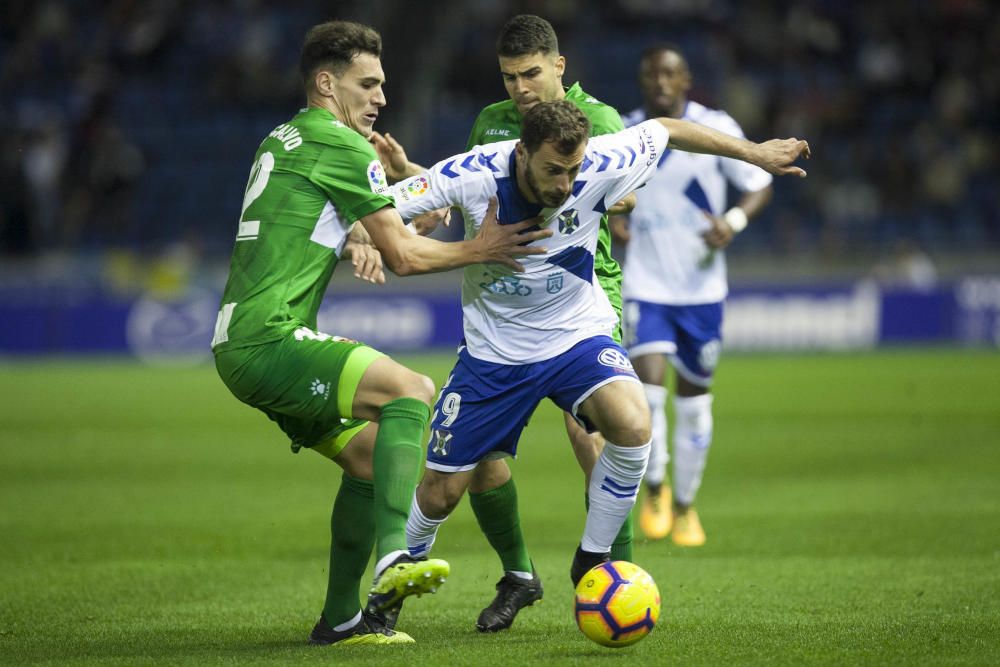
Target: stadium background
(140,492)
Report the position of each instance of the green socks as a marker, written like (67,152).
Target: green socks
(496,511)
(399,453)
(353,528)
(621,548)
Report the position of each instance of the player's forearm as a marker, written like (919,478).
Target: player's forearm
(695,138)
(753,203)
(406,253)
(419,254)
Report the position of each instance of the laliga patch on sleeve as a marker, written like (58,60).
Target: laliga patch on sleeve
(377,179)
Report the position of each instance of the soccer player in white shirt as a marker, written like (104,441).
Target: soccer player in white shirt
(674,287)
(546,332)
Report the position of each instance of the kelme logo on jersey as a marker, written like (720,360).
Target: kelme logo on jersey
(496,132)
(569,221)
(613,358)
(418,186)
(377,179)
(320,388)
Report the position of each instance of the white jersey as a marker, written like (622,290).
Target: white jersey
(667,260)
(519,318)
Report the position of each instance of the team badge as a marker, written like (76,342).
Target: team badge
(377,179)
(442,442)
(554,283)
(418,186)
(569,221)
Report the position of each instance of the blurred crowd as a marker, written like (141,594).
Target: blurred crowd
(131,125)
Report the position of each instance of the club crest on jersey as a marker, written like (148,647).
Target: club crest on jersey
(569,221)
(442,442)
(616,359)
(418,186)
(554,283)
(377,179)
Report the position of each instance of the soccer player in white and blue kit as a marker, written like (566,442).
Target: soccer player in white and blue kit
(675,285)
(546,332)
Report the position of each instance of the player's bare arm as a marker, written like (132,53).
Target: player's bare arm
(724,228)
(406,253)
(776,156)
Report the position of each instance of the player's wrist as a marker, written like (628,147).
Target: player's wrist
(737,219)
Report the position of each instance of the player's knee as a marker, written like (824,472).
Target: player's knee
(631,425)
(438,499)
(415,385)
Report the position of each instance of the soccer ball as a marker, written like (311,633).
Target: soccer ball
(617,604)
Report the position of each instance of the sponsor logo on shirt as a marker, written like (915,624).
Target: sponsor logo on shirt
(496,132)
(649,142)
(377,179)
(509,285)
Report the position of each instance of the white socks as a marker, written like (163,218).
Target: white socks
(420,531)
(692,437)
(656,398)
(613,486)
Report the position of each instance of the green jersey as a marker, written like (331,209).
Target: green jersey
(312,179)
(502,121)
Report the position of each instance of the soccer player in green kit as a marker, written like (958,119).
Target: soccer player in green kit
(532,70)
(312,179)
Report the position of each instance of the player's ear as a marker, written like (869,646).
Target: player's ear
(324,81)
(560,65)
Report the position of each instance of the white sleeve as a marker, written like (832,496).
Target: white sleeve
(629,157)
(744,176)
(447,183)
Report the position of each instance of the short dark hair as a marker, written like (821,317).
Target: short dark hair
(650,51)
(526,34)
(336,44)
(560,122)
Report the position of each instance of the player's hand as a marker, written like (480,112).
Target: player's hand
(625,206)
(428,222)
(391,154)
(500,244)
(720,234)
(778,156)
(367,261)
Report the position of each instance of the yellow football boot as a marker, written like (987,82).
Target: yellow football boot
(655,517)
(687,530)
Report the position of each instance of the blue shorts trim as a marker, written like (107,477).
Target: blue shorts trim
(690,335)
(483,407)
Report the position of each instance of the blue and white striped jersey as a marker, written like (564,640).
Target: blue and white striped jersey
(667,260)
(518,318)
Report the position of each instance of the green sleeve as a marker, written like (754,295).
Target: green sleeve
(474,137)
(606,121)
(353,179)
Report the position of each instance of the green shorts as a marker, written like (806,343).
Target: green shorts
(612,286)
(305,384)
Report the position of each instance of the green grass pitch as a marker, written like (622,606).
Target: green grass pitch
(852,504)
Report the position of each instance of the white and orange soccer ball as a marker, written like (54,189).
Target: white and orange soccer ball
(617,604)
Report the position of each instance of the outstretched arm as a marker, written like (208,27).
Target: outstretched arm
(776,156)
(406,253)
(393,157)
